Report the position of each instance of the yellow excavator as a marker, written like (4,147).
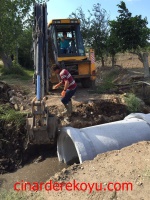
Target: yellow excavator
(74,59)
(42,127)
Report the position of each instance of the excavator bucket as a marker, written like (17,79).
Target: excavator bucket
(42,134)
(42,127)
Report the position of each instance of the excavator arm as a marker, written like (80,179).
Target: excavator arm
(41,126)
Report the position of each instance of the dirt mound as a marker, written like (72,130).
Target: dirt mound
(12,133)
(12,146)
(4,88)
(97,112)
(111,171)
(92,113)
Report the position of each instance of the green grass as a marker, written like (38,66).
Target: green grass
(19,195)
(133,103)
(17,76)
(10,115)
(15,72)
(12,195)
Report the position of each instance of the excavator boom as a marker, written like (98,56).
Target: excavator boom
(42,126)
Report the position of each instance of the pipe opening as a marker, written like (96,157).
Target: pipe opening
(70,155)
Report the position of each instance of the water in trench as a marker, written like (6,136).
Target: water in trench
(34,170)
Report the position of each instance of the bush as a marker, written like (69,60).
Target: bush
(133,103)
(108,79)
(15,69)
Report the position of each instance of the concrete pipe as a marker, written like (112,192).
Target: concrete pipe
(78,145)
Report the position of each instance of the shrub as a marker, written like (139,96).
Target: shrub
(133,103)
(15,69)
(108,79)
(16,72)
(10,115)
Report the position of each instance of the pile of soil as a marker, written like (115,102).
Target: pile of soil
(92,113)
(12,140)
(128,165)
(4,88)
(12,136)
(97,112)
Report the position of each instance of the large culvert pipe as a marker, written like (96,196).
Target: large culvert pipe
(85,143)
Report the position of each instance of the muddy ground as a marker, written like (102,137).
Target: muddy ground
(91,111)
(130,164)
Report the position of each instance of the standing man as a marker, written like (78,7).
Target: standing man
(69,90)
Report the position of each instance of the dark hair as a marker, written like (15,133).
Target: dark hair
(64,33)
(56,67)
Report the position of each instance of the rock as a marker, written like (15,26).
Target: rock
(22,108)
(139,183)
(9,125)
(91,103)
(39,159)
(116,100)
(13,100)
(11,93)
(85,116)
(64,170)
(16,107)
(57,177)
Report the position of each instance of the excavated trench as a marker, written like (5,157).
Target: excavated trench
(43,159)
(13,139)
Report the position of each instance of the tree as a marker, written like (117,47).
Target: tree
(25,49)
(132,34)
(94,28)
(112,45)
(14,18)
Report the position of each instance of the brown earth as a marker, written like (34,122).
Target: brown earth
(131,164)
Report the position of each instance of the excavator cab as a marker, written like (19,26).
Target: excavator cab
(66,43)
(71,28)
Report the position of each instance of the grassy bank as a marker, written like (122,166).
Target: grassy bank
(15,73)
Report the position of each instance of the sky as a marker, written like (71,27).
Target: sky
(63,8)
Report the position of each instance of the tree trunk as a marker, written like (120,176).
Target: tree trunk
(113,61)
(146,65)
(103,63)
(6,60)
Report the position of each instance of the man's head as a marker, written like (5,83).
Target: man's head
(57,69)
(64,34)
